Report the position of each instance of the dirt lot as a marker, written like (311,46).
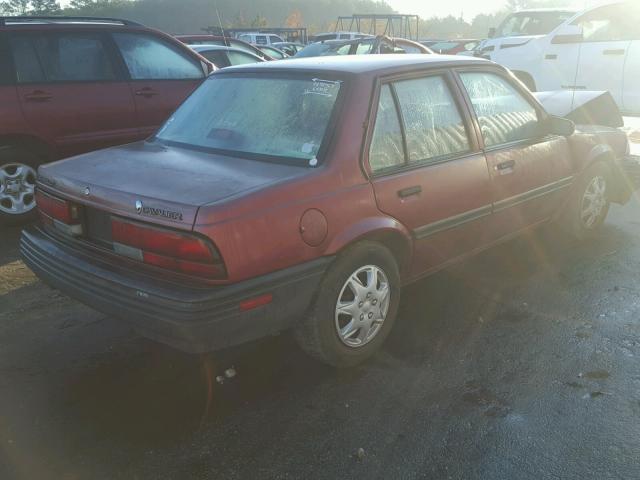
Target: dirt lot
(522,363)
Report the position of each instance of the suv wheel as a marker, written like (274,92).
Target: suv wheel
(355,308)
(589,205)
(17,185)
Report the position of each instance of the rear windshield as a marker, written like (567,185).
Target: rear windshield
(532,23)
(256,116)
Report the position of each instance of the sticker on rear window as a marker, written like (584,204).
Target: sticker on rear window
(326,88)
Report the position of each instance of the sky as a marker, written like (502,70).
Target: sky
(469,8)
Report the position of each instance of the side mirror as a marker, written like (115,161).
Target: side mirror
(559,126)
(568,34)
(492,32)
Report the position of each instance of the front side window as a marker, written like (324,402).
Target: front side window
(433,124)
(387,150)
(232,114)
(61,57)
(217,57)
(611,23)
(504,115)
(149,58)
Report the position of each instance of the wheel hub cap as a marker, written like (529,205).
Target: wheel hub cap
(17,188)
(362,306)
(594,201)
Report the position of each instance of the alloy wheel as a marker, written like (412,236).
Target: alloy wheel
(594,202)
(17,188)
(362,306)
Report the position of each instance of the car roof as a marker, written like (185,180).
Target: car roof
(363,64)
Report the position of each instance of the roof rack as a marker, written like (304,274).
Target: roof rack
(40,19)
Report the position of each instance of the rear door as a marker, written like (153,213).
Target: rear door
(529,171)
(161,75)
(71,91)
(427,170)
(607,35)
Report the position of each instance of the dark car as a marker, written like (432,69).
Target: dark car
(203,39)
(362,46)
(273,52)
(223,57)
(71,85)
(452,47)
(290,48)
(311,207)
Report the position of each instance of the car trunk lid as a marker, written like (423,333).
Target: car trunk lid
(156,183)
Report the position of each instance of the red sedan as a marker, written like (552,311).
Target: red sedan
(311,207)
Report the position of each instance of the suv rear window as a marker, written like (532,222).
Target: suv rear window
(232,114)
(61,57)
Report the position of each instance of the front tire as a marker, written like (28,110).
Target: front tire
(355,308)
(589,204)
(18,169)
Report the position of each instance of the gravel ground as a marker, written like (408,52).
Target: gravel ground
(521,363)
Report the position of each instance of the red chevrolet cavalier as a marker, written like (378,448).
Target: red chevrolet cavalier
(304,194)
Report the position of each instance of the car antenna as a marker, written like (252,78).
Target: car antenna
(219,19)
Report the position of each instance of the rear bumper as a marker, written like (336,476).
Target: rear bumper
(191,319)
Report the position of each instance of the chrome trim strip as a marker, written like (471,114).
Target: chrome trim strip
(451,222)
(532,194)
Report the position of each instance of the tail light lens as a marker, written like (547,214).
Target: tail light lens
(180,252)
(59,213)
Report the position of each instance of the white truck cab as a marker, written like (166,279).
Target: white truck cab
(597,49)
(257,38)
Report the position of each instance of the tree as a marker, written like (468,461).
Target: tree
(15,7)
(259,21)
(44,7)
(294,19)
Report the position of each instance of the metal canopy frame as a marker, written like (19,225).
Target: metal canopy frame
(392,25)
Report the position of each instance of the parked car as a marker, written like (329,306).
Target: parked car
(362,46)
(598,49)
(70,85)
(452,47)
(321,37)
(231,223)
(257,38)
(223,57)
(192,40)
(290,48)
(523,26)
(273,52)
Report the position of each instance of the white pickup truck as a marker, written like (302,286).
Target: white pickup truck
(597,49)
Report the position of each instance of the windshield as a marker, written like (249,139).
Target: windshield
(532,23)
(234,114)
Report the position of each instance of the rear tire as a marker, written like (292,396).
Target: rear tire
(18,168)
(588,206)
(352,315)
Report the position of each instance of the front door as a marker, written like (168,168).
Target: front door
(529,171)
(70,91)
(162,76)
(607,33)
(427,171)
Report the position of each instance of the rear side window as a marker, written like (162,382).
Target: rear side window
(433,124)
(240,58)
(217,57)
(61,57)
(149,58)
(386,149)
(261,39)
(505,116)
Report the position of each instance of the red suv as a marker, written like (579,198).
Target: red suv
(309,208)
(71,85)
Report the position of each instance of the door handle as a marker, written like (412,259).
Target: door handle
(621,51)
(409,191)
(38,96)
(505,167)
(147,92)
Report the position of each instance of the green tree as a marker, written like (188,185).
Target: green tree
(15,7)
(44,7)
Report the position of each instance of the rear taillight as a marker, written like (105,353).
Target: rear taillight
(180,252)
(61,214)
